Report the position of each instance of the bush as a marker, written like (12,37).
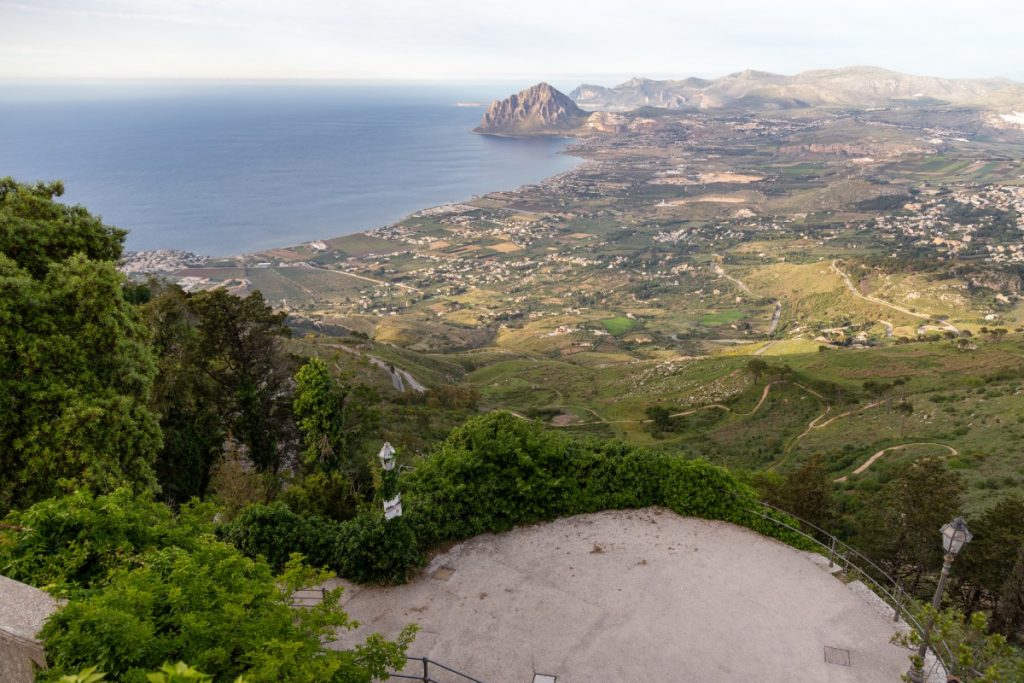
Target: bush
(73,542)
(491,474)
(228,615)
(365,549)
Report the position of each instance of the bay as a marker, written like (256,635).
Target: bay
(222,169)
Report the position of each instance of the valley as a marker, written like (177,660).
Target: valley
(638,294)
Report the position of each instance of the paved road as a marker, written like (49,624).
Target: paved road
(642,595)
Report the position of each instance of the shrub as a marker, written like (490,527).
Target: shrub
(223,612)
(365,549)
(73,542)
(491,474)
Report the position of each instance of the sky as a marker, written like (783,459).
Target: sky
(565,41)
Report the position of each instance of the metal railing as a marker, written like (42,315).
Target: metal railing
(308,597)
(877,579)
(887,588)
(426,675)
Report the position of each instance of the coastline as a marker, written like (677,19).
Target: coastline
(169,261)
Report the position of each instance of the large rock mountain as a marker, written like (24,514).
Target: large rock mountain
(540,110)
(860,86)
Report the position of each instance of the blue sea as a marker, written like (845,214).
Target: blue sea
(228,169)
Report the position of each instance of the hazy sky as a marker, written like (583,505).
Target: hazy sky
(559,40)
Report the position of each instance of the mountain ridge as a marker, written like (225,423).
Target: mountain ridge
(842,87)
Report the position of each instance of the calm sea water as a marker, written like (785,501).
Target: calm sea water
(229,169)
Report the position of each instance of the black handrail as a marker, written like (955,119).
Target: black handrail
(425,676)
(898,598)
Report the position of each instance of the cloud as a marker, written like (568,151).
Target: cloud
(465,39)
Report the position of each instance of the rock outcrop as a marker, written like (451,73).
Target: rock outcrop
(540,110)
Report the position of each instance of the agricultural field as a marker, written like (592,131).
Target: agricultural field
(756,289)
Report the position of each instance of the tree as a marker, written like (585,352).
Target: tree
(1009,613)
(334,419)
(660,419)
(186,397)
(148,586)
(76,371)
(805,491)
(898,524)
(979,657)
(756,367)
(243,339)
(987,571)
(905,409)
(73,542)
(36,232)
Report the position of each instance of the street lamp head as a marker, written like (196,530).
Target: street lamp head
(387,456)
(955,535)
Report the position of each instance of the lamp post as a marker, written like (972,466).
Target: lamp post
(955,536)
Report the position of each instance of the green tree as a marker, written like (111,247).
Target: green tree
(979,656)
(76,371)
(989,565)
(905,409)
(757,367)
(805,491)
(335,419)
(186,397)
(659,420)
(243,339)
(73,542)
(37,232)
(898,524)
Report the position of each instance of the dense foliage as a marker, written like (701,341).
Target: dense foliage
(73,542)
(149,586)
(493,473)
(76,370)
(224,379)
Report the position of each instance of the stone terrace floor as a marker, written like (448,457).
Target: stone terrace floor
(641,595)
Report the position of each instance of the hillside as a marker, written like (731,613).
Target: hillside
(860,86)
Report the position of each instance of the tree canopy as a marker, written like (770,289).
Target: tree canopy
(76,370)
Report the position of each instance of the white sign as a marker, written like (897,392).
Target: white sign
(393,507)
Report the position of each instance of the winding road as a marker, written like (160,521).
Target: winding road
(716,406)
(871,461)
(882,302)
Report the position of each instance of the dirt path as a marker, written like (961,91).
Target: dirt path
(871,461)
(881,302)
(817,424)
(776,314)
(716,406)
(739,283)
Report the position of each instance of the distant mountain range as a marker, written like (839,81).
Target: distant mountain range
(543,110)
(859,86)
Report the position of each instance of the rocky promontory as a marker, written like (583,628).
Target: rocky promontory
(540,110)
